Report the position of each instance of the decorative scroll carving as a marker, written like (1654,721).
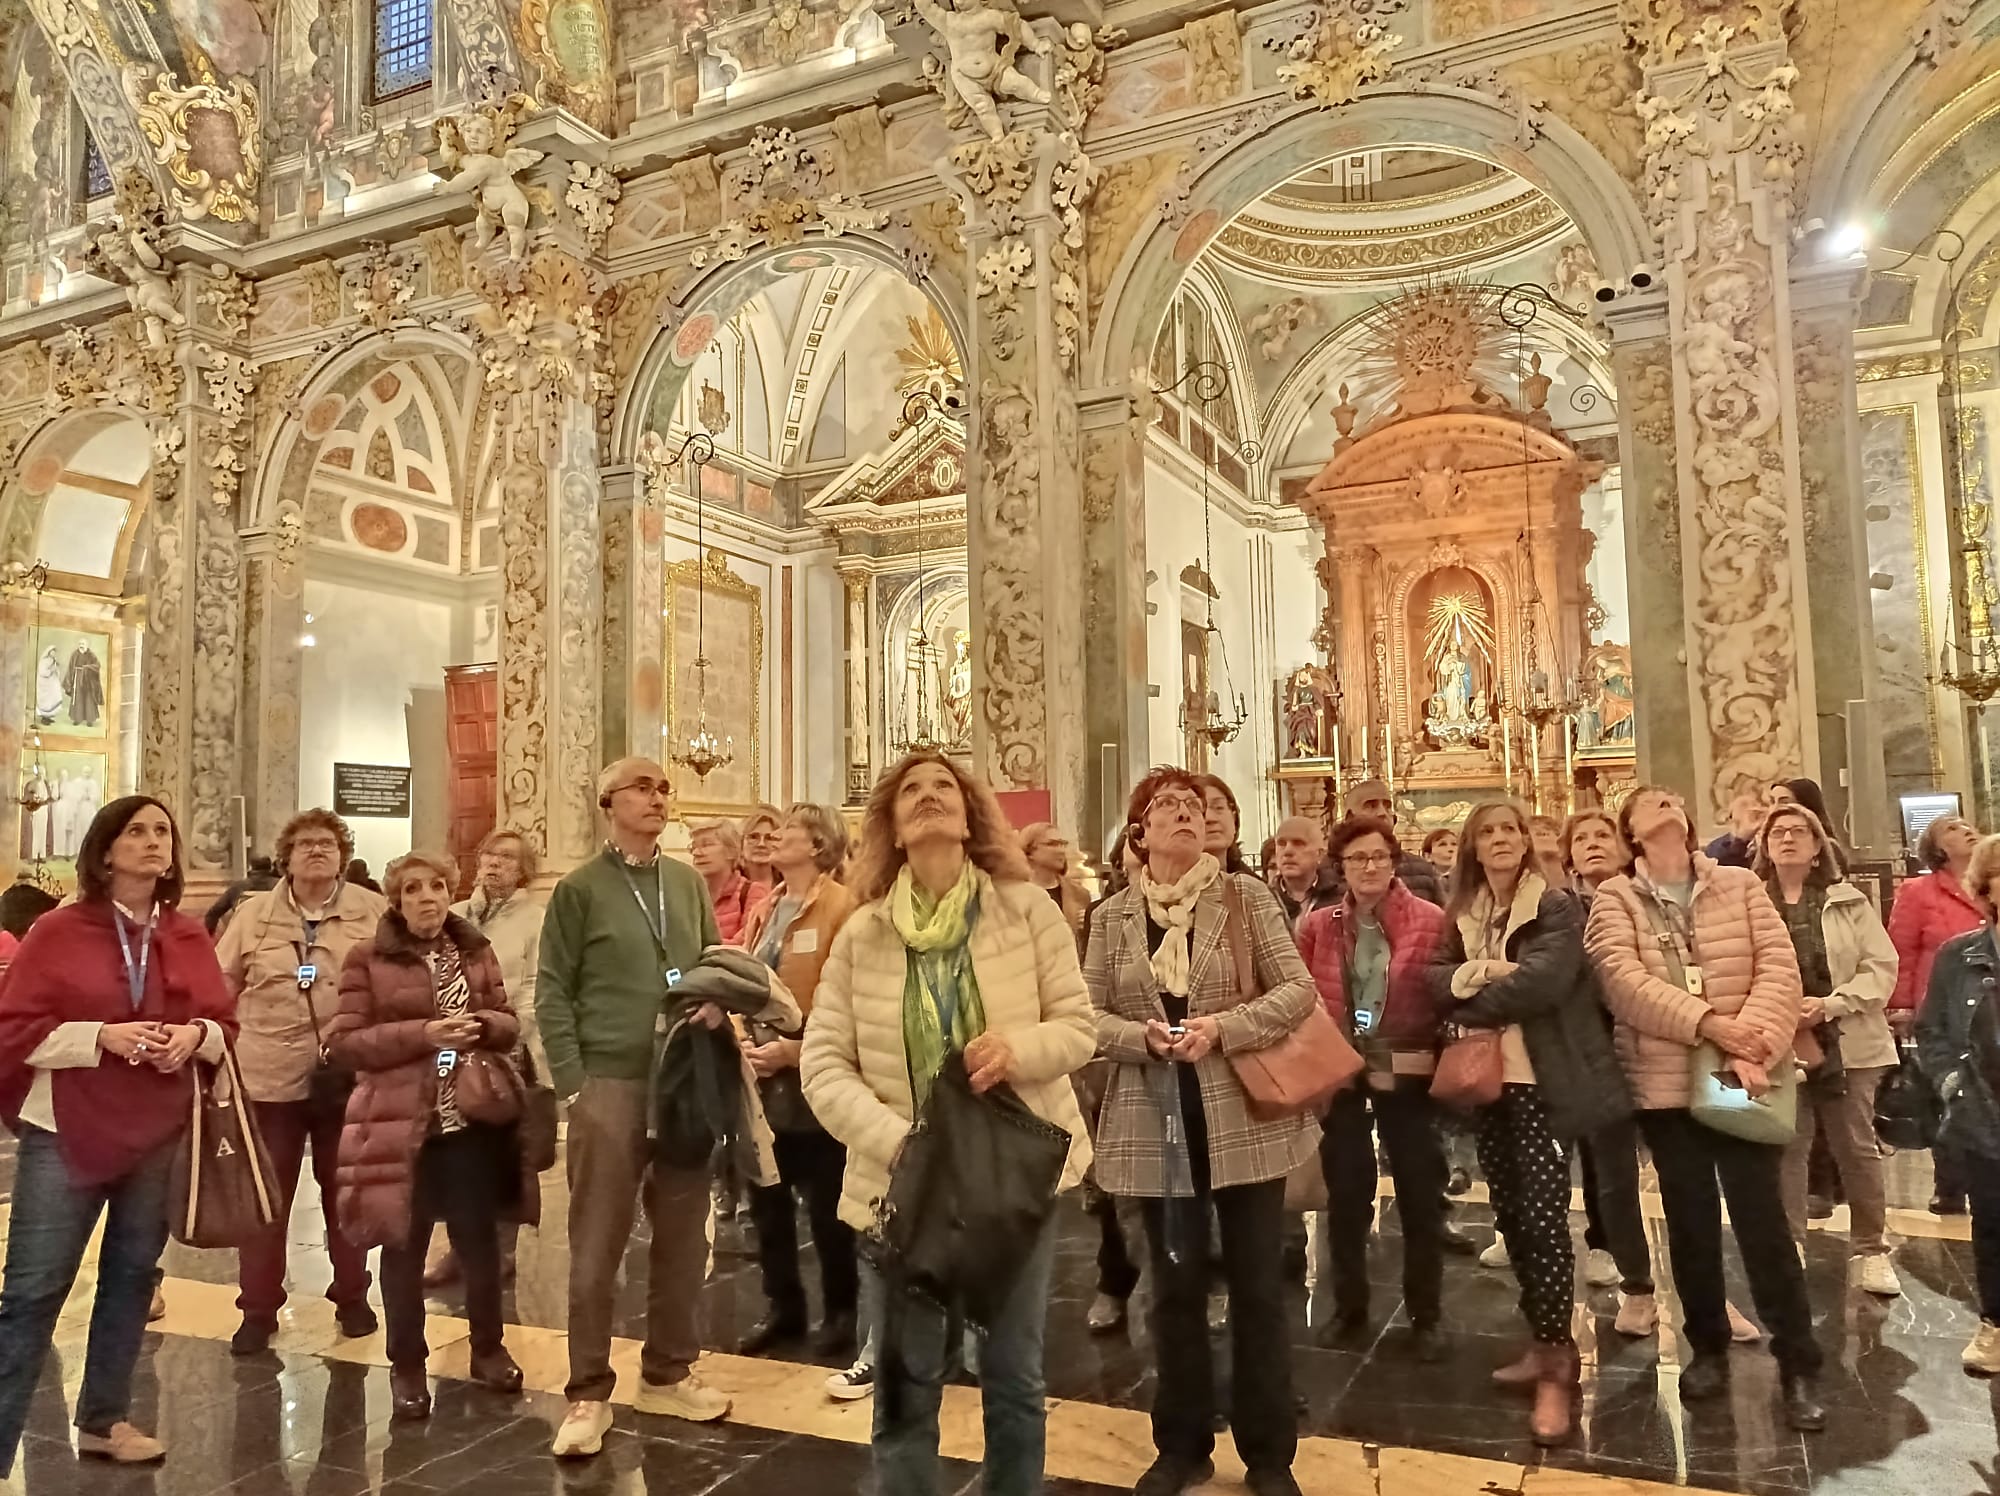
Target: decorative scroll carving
(1343,47)
(1941,29)
(323,290)
(775,196)
(589,197)
(446,254)
(380,284)
(189,128)
(1214,45)
(581,587)
(161,743)
(524,545)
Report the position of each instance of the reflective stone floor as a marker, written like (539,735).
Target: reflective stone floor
(314,1417)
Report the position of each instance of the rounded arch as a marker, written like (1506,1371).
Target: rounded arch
(308,418)
(42,459)
(1560,162)
(690,321)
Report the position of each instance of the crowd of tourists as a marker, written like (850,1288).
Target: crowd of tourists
(772,1019)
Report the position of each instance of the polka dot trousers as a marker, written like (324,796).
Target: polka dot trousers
(1527,1175)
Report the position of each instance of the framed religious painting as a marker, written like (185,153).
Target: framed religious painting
(711,608)
(70,680)
(78,785)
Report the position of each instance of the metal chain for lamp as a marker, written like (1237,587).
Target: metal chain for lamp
(918,408)
(703,752)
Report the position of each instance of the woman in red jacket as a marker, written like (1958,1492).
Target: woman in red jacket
(1929,911)
(121,975)
(1369,955)
(414,1003)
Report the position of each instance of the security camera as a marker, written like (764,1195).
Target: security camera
(1604,293)
(1642,277)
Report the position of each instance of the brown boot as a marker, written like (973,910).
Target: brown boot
(1519,1375)
(496,1371)
(1559,1372)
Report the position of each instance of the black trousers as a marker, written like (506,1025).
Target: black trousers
(1691,1160)
(1611,1203)
(1406,1119)
(1261,1414)
(1527,1170)
(460,1180)
(1982,1179)
(809,1164)
(1117,1273)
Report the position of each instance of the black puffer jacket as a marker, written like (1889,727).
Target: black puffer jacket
(1552,994)
(1958,1044)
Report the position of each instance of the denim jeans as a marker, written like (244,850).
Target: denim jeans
(1011,1391)
(49,1227)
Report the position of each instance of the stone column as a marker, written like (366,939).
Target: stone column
(1114,602)
(633,599)
(1642,363)
(1826,300)
(1023,194)
(273,619)
(858,586)
(1719,173)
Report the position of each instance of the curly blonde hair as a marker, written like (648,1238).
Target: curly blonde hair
(990,842)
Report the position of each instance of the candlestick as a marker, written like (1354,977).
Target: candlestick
(1507,750)
(1336,770)
(1569,766)
(1389,767)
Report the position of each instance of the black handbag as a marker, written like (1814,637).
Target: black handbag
(1827,1080)
(1906,1105)
(970,1190)
(331,1084)
(783,1096)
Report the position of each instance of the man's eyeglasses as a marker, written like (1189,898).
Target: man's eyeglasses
(1366,859)
(646,787)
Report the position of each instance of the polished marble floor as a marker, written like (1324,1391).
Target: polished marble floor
(313,1418)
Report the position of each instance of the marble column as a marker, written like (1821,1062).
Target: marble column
(1114,605)
(1825,302)
(273,620)
(1642,364)
(858,587)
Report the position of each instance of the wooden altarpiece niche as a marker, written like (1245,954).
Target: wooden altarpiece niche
(1452,538)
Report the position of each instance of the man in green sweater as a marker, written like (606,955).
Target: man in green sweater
(620,931)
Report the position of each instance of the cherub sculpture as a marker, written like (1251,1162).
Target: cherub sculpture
(124,252)
(983,39)
(475,146)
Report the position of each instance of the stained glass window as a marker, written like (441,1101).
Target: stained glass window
(402,46)
(96,170)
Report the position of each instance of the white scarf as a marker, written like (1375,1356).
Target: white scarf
(1172,907)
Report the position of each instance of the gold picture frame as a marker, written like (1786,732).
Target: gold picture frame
(685,577)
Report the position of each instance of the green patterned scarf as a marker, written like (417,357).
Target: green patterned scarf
(939,989)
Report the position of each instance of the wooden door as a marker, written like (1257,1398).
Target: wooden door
(472,745)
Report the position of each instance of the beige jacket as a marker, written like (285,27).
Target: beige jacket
(1863,964)
(853,1066)
(515,929)
(1748,970)
(261,952)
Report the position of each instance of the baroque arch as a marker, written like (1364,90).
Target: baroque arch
(1560,162)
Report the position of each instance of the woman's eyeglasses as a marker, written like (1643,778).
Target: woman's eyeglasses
(1367,859)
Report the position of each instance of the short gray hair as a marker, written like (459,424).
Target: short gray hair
(723,831)
(528,857)
(828,829)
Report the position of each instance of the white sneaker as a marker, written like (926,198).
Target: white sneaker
(853,1384)
(1496,1255)
(1741,1330)
(583,1430)
(689,1398)
(1600,1269)
(1982,1356)
(1878,1276)
(1638,1315)
(1106,1314)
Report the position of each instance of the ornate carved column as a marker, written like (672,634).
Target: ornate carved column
(273,619)
(1023,190)
(1642,362)
(858,585)
(1826,302)
(1720,162)
(634,634)
(1114,601)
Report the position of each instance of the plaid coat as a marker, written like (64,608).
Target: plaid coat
(1118,969)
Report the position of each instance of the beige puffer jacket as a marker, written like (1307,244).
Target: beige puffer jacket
(853,1066)
(1748,971)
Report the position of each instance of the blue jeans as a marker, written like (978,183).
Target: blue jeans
(48,1230)
(1011,1391)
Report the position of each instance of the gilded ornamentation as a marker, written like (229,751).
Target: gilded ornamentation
(445,253)
(486,57)
(207,136)
(474,145)
(1214,47)
(1333,255)
(570,42)
(1976,289)
(1343,47)
(591,193)
(775,195)
(380,284)
(1972,371)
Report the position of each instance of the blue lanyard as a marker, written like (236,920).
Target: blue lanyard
(135,973)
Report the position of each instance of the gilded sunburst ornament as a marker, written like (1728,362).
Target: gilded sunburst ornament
(1435,347)
(930,359)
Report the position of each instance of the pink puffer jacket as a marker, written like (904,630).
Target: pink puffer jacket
(1748,969)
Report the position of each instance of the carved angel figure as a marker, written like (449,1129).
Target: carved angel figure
(123,253)
(983,40)
(475,145)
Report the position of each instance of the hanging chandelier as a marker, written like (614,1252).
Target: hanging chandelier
(1219,717)
(34,793)
(702,751)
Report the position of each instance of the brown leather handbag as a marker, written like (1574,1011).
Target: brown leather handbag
(488,1088)
(1470,1069)
(1303,1071)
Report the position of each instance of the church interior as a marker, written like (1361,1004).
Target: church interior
(409,407)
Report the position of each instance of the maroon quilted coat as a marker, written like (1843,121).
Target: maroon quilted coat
(386,997)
